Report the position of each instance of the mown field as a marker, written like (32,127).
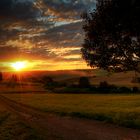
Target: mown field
(11,127)
(119,109)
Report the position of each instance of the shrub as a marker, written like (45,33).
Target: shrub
(104,84)
(48,82)
(84,82)
(104,87)
(135,89)
(124,90)
(113,89)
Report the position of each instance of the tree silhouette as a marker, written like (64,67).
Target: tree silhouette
(112,35)
(14,78)
(48,82)
(84,82)
(1,76)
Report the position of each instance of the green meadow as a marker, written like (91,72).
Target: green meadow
(119,109)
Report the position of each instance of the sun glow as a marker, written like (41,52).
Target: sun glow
(19,65)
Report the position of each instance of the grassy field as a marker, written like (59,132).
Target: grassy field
(11,127)
(119,109)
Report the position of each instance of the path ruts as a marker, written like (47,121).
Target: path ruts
(54,127)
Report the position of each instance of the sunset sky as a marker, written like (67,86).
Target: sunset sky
(45,33)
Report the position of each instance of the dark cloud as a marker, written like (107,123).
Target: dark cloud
(69,9)
(18,10)
(64,36)
(42,30)
(19,17)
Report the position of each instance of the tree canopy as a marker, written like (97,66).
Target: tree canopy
(112,35)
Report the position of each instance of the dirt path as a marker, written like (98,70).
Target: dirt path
(53,127)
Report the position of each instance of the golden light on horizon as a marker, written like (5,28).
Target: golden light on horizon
(19,65)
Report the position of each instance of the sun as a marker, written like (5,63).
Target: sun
(19,65)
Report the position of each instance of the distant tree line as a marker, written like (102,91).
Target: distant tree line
(84,86)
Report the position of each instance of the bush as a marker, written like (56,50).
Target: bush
(124,90)
(48,82)
(113,89)
(135,89)
(104,87)
(84,82)
(103,84)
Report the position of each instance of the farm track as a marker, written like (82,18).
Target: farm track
(54,127)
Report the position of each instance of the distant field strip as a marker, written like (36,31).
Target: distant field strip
(119,109)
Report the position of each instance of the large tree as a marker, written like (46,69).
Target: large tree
(112,35)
